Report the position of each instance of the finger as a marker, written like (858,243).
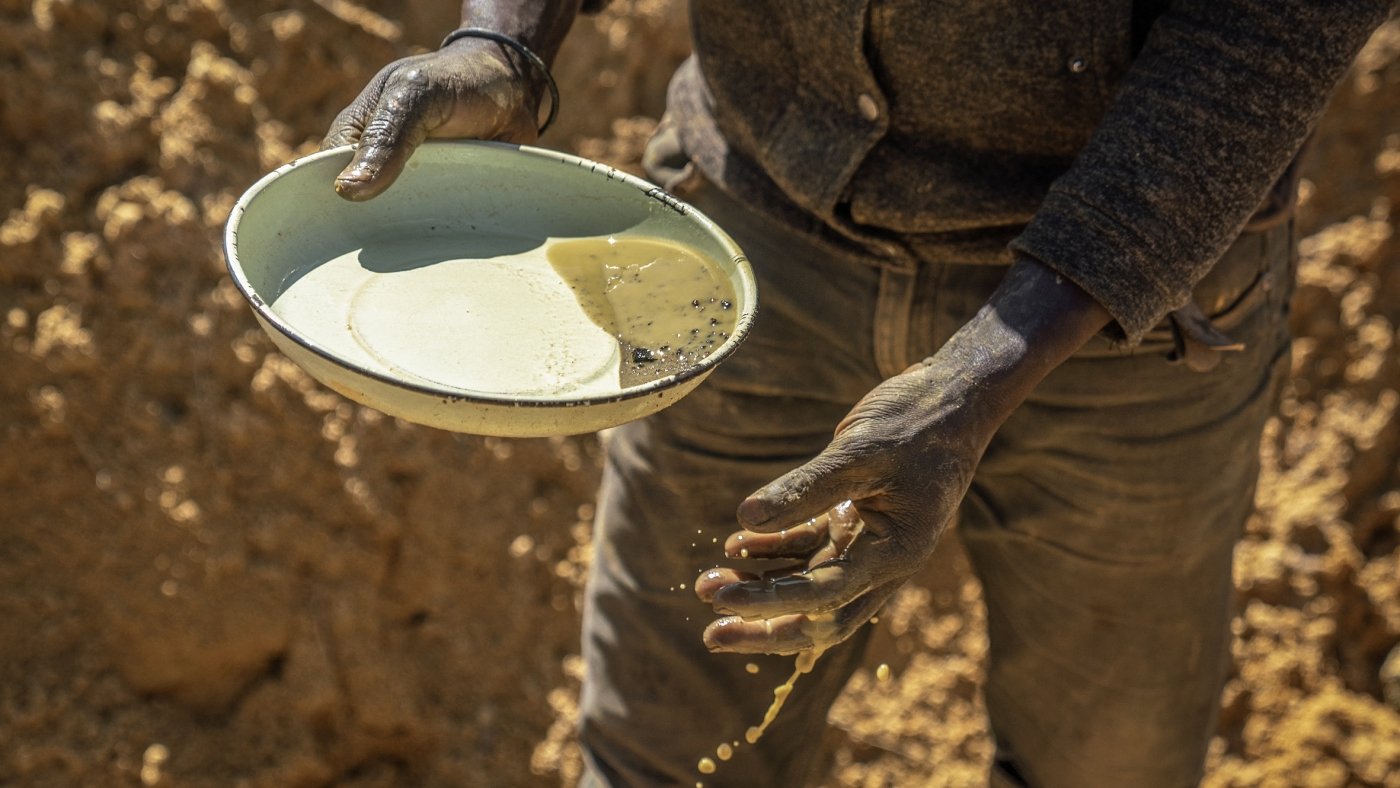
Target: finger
(808,491)
(865,564)
(346,128)
(809,592)
(350,123)
(798,541)
(827,631)
(815,541)
(712,580)
(786,635)
(844,523)
(793,633)
(396,127)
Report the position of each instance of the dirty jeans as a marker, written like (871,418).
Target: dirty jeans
(1100,523)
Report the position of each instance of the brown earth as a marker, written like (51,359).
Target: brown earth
(216,572)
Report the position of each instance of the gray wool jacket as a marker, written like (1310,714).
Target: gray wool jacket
(1123,144)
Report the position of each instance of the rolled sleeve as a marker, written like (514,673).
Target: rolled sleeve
(1215,107)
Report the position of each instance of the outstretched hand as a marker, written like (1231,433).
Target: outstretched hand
(471,89)
(903,457)
(861,518)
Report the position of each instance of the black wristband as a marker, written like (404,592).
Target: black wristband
(523,51)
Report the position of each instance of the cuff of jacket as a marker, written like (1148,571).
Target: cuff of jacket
(1110,261)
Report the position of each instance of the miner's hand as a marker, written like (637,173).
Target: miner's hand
(904,457)
(861,518)
(472,89)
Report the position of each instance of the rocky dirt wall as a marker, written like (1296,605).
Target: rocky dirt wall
(215,572)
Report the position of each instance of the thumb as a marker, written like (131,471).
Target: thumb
(805,492)
(396,128)
(377,163)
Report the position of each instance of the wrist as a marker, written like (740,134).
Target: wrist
(538,24)
(1033,322)
(532,74)
(474,47)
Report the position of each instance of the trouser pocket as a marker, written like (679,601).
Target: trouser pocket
(1254,274)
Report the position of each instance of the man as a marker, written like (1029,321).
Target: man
(982,231)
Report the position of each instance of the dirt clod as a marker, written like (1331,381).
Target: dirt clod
(216,572)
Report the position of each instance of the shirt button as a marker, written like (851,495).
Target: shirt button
(1078,65)
(868,108)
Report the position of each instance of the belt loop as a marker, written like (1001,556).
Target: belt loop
(893,304)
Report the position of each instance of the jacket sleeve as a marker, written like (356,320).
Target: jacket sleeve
(1218,102)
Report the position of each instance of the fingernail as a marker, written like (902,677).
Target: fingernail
(723,600)
(712,635)
(751,512)
(359,174)
(722,609)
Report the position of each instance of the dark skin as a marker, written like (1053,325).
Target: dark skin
(904,455)
(473,89)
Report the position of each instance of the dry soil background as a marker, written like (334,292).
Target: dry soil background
(214,572)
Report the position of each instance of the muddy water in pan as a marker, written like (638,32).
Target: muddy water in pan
(667,306)
(510,316)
